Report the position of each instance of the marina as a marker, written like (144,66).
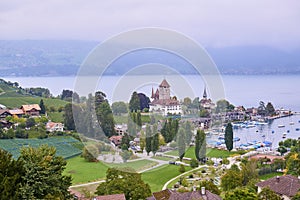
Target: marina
(255,135)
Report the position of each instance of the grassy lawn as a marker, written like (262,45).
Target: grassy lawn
(157,177)
(161,158)
(13,102)
(210,152)
(56,116)
(83,171)
(271,175)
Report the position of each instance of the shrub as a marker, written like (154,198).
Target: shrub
(194,163)
(181,169)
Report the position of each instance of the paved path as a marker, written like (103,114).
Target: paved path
(169,181)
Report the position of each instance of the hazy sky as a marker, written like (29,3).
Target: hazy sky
(212,23)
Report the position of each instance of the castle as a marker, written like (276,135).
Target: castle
(162,101)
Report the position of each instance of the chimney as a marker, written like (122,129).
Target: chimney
(194,188)
(203,190)
(277,179)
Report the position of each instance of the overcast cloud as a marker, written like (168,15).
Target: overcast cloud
(212,23)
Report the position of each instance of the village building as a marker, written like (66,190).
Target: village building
(53,127)
(116,140)
(162,101)
(16,112)
(285,186)
(121,129)
(4,113)
(32,109)
(205,102)
(174,195)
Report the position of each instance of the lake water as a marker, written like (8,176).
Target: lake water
(281,90)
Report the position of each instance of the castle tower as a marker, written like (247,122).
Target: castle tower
(164,90)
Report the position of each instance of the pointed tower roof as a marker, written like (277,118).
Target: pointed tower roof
(164,83)
(204,93)
(156,96)
(152,93)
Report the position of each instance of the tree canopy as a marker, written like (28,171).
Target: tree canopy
(229,137)
(122,181)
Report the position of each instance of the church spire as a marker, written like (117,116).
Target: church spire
(204,93)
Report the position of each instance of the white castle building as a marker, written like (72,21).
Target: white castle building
(162,101)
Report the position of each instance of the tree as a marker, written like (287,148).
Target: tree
(139,120)
(42,106)
(125,142)
(261,110)
(200,146)
(11,173)
(119,108)
(188,132)
(129,183)
(229,137)
(68,117)
(131,124)
(223,106)
(209,185)
(181,143)
(194,163)
(106,119)
(30,122)
(231,180)
(148,139)
(126,155)
(249,171)
(297,196)
(187,102)
(67,95)
(90,153)
(134,103)
(100,97)
(267,194)
(181,169)
(270,109)
(155,140)
(144,101)
(142,140)
(43,174)
(241,193)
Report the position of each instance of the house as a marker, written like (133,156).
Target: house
(32,109)
(53,126)
(121,129)
(4,113)
(285,186)
(205,102)
(77,195)
(162,101)
(5,124)
(16,112)
(174,195)
(116,139)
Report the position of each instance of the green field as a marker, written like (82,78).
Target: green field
(83,171)
(16,102)
(66,146)
(210,152)
(162,158)
(157,177)
(56,116)
(271,175)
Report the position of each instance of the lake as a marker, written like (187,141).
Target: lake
(281,90)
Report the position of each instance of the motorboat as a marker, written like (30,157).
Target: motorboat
(281,126)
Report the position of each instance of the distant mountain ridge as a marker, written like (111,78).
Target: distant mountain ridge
(64,57)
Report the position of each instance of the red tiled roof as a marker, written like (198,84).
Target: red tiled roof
(16,112)
(30,107)
(164,83)
(165,102)
(111,197)
(284,185)
(174,195)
